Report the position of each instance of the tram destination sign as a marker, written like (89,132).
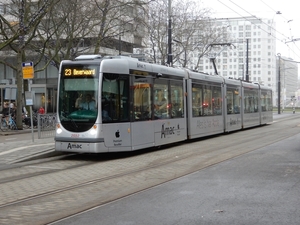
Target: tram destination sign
(87,70)
(79,72)
(28,70)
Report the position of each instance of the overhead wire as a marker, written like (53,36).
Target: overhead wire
(287,21)
(281,15)
(261,21)
(277,12)
(246,18)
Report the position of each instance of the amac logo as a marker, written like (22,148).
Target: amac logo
(166,131)
(74,146)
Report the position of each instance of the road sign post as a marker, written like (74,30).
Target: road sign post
(28,70)
(28,73)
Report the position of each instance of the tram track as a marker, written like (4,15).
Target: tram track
(120,177)
(29,170)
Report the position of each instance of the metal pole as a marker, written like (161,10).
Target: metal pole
(170,58)
(247,62)
(31,111)
(279,59)
(20,54)
(120,45)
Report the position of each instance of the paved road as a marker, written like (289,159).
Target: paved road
(261,187)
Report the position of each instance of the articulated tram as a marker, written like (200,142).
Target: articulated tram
(116,104)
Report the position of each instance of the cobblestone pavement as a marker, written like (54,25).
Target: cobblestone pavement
(18,150)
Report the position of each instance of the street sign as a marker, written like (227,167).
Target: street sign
(27,69)
(29,96)
(10,93)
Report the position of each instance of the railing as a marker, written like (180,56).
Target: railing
(46,125)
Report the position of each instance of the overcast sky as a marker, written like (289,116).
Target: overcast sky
(287,22)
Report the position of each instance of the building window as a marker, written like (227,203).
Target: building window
(2,9)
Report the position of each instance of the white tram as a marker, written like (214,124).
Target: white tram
(115,104)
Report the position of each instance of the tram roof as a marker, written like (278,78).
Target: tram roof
(205,77)
(124,64)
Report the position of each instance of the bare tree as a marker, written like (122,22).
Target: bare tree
(18,28)
(119,21)
(65,31)
(77,27)
(192,31)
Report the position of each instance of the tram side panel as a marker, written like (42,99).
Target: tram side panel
(232,105)
(204,105)
(250,105)
(169,131)
(117,137)
(266,105)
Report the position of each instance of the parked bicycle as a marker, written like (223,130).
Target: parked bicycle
(8,123)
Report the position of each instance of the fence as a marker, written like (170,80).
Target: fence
(46,125)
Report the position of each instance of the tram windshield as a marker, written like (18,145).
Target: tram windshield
(78,91)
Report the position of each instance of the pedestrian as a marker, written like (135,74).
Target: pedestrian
(41,110)
(6,111)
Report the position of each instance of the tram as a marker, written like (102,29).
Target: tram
(117,104)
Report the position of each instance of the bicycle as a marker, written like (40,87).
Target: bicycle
(9,124)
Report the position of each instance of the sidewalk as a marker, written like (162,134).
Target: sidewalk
(17,151)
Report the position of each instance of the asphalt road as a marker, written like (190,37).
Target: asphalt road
(259,187)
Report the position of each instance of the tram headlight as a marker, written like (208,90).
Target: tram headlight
(58,129)
(94,130)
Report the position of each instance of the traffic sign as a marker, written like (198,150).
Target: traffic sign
(27,69)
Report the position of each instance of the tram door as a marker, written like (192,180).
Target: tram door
(142,129)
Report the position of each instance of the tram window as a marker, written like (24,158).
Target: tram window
(176,99)
(217,101)
(229,99)
(233,101)
(250,101)
(142,98)
(196,100)
(115,95)
(266,101)
(161,99)
(207,100)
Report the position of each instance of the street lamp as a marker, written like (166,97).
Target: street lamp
(170,57)
(284,85)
